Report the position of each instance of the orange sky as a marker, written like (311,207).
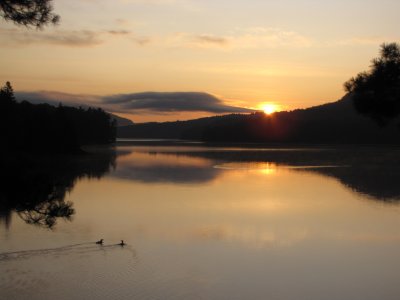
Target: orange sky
(244,53)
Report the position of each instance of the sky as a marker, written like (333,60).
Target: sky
(159,60)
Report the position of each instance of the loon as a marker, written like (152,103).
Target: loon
(100,242)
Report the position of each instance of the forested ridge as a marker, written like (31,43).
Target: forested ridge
(45,128)
(332,123)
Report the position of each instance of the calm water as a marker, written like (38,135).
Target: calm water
(205,223)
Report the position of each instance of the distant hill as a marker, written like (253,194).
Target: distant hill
(336,122)
(191,129)
(121,121)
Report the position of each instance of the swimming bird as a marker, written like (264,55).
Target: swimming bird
(100,242)
(122,243)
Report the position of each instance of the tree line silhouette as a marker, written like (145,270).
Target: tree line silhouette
(45,128)
(332,123)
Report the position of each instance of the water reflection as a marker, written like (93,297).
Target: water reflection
(369,171)
(35,187)
(150,167)
(376,182)
(214,224)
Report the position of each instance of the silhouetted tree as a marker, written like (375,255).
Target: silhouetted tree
(7,111)
(30,13)
(376,93)
(7,92)
(44,128)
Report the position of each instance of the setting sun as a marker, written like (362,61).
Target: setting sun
(269,108)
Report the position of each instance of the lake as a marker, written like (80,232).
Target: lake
(203,223)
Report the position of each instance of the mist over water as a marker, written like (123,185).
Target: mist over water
(204,223)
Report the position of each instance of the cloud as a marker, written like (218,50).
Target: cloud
(211,39)
(172,102)
(260,37)
(122,22)
(71,38)
(363,41)
(141,41)
(54,98)
(257,37)
(138,103)
(58,37)
(118,32)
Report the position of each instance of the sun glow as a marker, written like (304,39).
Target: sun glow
(269,108)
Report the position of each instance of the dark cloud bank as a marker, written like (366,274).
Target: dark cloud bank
(172,102)
(139,103)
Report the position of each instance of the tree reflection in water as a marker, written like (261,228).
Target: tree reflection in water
(370,171)
(35,186)
(46,213)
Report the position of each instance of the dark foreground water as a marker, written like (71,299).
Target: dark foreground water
(204,223)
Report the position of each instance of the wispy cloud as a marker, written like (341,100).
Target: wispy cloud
(138,103)
(258,37)
(74,38)
(118,32)
(207,39)
(239,39)
(54,98)
(141,41)
(261,38)
(66,38)
(364,40)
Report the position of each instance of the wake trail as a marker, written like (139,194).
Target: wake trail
(28,253)
(81,248)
